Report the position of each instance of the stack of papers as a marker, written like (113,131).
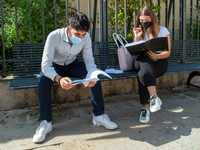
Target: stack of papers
(113,71)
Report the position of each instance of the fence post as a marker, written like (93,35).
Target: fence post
(55,14)
(16,22)
(125,16)
(78,5)
(100,20)
(43,27)
(184,29)
(105,20)
(159,12)
(184,19)
(166,13)
(94,22)
(29,7)
(116,17)
(2,25)
(134,16)
(89,15)
(197,16)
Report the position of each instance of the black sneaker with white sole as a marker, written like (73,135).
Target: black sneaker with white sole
(144,115)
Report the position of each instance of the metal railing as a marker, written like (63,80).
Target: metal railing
(170,18)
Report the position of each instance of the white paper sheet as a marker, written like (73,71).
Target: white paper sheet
(91,76)
(135,43)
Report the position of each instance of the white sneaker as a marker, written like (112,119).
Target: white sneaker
(155,103)
(104,120)
(44,128)
(144,115)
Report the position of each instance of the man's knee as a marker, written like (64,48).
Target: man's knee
(44,80)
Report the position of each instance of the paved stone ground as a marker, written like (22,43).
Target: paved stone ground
(175,126)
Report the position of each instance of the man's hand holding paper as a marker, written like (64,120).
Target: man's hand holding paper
(92,83)
(66,83)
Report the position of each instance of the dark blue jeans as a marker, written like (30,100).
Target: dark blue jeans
(75,69)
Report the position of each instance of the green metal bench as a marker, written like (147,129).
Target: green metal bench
(27,61)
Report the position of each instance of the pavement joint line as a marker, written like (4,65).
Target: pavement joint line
(43,146)
(189,97)
(162,142)
(156,136)
(83,122)
(162,123)
(177,119)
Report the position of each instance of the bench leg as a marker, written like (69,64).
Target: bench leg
(192,74)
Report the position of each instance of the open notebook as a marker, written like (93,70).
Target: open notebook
(154,44)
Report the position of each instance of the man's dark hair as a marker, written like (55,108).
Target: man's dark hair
(79,21)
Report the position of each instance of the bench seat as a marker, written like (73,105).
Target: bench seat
(27,61)
(32,81)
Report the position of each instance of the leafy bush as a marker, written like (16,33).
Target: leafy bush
(35,20)
(132,6)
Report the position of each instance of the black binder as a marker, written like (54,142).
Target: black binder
(154,44)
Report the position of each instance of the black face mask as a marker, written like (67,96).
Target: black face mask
(146,25)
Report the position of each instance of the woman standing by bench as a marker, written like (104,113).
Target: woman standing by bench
(149,65)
